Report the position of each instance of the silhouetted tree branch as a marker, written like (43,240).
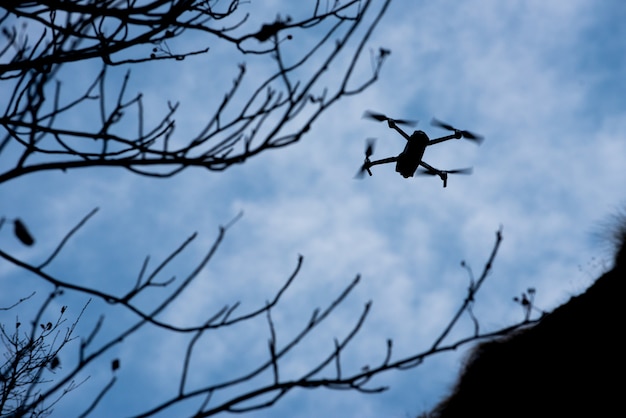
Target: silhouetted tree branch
(31,358)
(40,42)
(41,39)
(329,372)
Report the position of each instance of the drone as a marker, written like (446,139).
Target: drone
(410,159)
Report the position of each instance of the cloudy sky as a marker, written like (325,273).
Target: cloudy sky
(542,81)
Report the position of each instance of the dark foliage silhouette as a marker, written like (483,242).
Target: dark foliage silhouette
(566,365)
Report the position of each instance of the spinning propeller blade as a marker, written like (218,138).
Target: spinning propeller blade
(425,172)
(465,134)
(467,170)
(376,116)
(364,168)
(440,124)
(382,118)
(369,150)
(472,137)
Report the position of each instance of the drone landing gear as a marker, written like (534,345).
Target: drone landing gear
(444,177)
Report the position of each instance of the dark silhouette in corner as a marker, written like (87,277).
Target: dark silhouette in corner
(570,364)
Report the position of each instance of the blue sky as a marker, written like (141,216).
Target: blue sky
(542,81)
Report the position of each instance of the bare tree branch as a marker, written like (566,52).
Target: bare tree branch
(40,43)
(264,395)
(278,113)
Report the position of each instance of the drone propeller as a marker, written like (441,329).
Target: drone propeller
(426,172)
(369,148)
(369,151)
(443,174)
(382,118)
(465,134)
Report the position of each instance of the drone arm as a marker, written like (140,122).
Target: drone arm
(442,174)
(393,125)
(429,167)
(368,164)
(455,135)
(383,161)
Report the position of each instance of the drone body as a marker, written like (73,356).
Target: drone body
(409,160)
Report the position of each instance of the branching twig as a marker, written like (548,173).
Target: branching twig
(265,120)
